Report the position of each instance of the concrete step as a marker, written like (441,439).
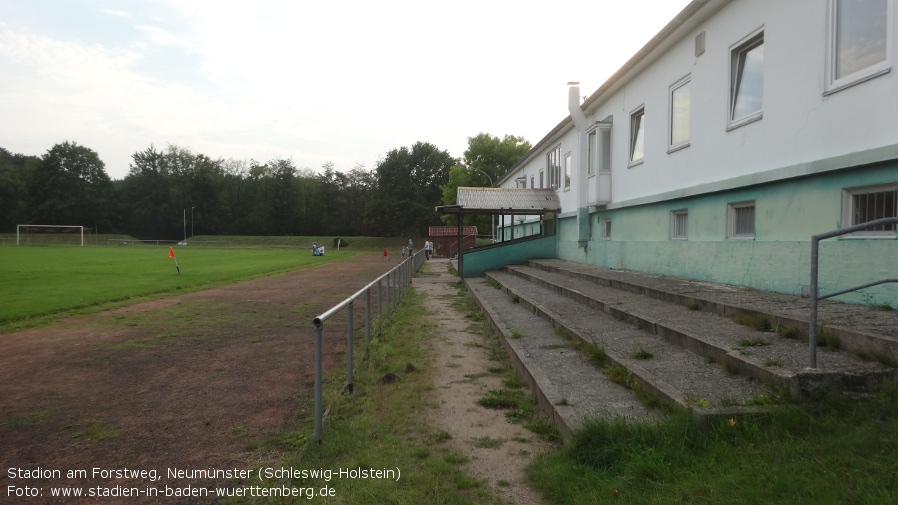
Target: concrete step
(763,356)
(569,389)
(867,331)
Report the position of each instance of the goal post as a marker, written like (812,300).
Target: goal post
(28,234)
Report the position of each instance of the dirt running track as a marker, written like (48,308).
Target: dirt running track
(194,381)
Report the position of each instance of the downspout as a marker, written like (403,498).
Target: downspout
(580,176)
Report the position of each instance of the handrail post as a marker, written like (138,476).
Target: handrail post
(349,345)
(815,294)
(379,309)
(368,316)
(812,323)
(316,435)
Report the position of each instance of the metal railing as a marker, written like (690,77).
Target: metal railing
(815,295)
(396,281)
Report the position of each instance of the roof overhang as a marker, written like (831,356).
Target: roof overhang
(503,201)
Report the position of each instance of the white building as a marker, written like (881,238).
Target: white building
(738,132)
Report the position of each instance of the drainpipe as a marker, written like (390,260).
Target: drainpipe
(579,176)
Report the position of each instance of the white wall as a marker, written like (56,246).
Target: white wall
(799,123)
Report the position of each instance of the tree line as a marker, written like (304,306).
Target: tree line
(69,185)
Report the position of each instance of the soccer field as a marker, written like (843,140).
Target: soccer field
(46,281)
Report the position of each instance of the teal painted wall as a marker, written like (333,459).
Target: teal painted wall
(777,259)
(478,261)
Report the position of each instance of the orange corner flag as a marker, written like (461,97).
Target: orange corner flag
(171,252)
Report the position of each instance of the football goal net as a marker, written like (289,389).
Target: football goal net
(47,234)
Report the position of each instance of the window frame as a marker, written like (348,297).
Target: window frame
(553,165)
(671,145)
(637,136)
(567,168)
(738,52)
(833,83)
(848,209)
(732,210)
(592,139)
(606,229)
(674,229)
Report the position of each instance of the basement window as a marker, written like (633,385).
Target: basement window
(606,229)
(741,220)
(678,221)
(860,205)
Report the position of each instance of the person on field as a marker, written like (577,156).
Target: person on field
(403,252)
(386,255)
(410,247)
(428,249)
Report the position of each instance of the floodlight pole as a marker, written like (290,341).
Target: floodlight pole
(185,226)
(191,221)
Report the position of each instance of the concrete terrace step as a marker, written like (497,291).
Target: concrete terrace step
(683,378)
(764,356)
(567,386)
(859,328)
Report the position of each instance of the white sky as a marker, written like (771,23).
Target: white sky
(316,81)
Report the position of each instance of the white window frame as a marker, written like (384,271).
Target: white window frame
(849,214)
(834,83)
(635,131)
(553,164)
(675,230)
(542,178)
(671,145)
(732,211)
(737,65)
(568,166)
(592,150)
(606,229)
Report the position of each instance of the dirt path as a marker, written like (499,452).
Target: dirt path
(498,450)
(195,381)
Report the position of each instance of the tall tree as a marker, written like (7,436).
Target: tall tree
(408,189)
(485,161)
(13,197)
(70,186)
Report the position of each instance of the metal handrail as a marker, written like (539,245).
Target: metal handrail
(815,295)
(397,279)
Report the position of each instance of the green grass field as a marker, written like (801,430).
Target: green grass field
(38,284)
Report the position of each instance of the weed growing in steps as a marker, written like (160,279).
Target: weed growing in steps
(641,353)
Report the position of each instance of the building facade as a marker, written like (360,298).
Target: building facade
(742,129)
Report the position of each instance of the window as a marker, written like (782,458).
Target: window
(606,229)
(680,115)
(592,147)
(599,147)
(741,220)
(567,171)
(867,204)
(637,136)
(678,220)
(531,182)
(553,163)
(542,179)
(746,80)
(858,42)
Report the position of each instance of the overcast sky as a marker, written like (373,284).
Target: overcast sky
(314,81)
